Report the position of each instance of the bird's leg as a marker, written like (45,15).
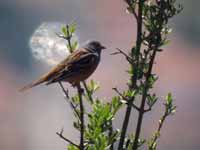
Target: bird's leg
(81,90)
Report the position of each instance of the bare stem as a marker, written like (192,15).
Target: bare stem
(134,76)
(128,58)
(64,91)
(144,96)
(80,94)
(67,99)
(60,134)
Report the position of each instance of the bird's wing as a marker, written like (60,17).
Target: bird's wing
(75,64)
(56,70)
(63,64)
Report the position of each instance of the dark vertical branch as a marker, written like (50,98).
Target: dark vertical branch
(80,94)
(156,33)
(134,76)
(110,135)
(144,96)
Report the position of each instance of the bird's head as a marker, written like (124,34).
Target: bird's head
(95,46)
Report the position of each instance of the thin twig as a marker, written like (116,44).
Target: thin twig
(66,92)
(132,10)
(126,99)
(120,94)
(67,99)
(88,92)
(147,110)
(69,39)
(60,134)
(128,58)
(157,133)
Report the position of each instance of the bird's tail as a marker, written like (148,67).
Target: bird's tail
(34,83)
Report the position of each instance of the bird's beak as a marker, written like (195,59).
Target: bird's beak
(103,47)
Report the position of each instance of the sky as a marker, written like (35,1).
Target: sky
(30,120)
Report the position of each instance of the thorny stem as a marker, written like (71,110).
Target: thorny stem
(134,77)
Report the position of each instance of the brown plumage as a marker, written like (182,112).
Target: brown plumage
(75,68)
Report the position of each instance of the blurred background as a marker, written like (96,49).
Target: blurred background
(30,120)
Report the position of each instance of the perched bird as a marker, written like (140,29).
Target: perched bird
(77,67)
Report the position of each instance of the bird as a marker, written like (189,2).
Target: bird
(76,67)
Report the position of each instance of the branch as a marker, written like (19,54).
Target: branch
(60,134)
(66,93)
(147,110)
(132,10)
(126,99)
(87,91)
(110,132)
(80,93)
(69,39)
(134,77)
(120,94)
(135,15)
(157,133)
(144,95)
(128,58)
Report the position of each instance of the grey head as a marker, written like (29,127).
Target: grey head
(94,46)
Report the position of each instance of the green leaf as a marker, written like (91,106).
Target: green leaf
(72,147)
(151,100)
(72,28)
(169,99)
(64,31)
(75,45)
(129,93)
(152,79)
